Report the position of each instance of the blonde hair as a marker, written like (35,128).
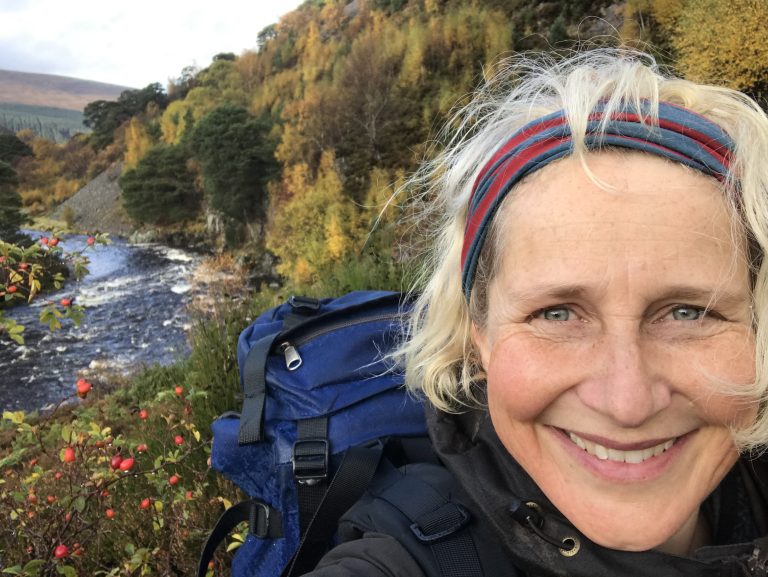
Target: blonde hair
(439,357)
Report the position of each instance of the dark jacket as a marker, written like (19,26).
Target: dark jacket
(494,485)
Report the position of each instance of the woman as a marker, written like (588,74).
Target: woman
(592,334)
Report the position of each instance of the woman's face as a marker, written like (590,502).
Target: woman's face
(614,318)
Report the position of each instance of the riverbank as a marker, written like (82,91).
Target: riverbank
(135,302)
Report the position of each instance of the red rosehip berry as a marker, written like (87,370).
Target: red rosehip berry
(110,513)
(51,499)
(173,480)
(179,390)
(53,242)
(32,499)
(115,461)
(69,455)
(68,517)
(91,240)
(178,439)
(43,240)
(127,464)
(58,475)
(33,462)
(143,414)
(141,448)
(23,265)
(100,444)
(83,388)
(12,289)
(145,503)
(65,302)
(104,493)
(188,495)
(61,551)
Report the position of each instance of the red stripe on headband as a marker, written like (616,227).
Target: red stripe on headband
(505,172)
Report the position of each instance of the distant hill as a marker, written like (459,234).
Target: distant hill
(53,91)
(49,105)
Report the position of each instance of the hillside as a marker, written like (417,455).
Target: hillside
(53,91)
(51,106)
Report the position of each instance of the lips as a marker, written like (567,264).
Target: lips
(633,456)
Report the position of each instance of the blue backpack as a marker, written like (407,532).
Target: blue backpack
(321,405)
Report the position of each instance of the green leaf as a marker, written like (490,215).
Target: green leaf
(79,504)
(66,570)
(16,417)
(15,570)
(33,567)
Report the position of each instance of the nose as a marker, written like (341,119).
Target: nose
(623,381)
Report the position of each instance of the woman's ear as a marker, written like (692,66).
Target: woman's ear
(482,344)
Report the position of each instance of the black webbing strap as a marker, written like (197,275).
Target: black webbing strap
(264,522)
(254,390)
(350,482)
(439,524)
(311,455)
(255,368)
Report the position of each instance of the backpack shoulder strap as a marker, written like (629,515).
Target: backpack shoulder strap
(417,504)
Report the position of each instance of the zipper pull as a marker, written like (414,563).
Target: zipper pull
(292,358)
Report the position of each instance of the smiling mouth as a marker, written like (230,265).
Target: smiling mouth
(607,454)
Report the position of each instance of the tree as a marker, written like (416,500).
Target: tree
(106,116)
(237,159)
(161,189)
(12,148)
(11,216)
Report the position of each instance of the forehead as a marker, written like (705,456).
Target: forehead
(633,208)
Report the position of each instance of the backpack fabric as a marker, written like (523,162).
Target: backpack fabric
(320,404)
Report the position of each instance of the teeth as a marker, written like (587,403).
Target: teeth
(634,457)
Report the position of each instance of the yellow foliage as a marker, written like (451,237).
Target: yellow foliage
(497,36)
(335,240)
(412,69)
(137,142)
(302,272)
(64,189)
(723,42)
(317,226)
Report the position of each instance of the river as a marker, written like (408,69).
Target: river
(135,314)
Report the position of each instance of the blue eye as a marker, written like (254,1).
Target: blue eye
(688,313)
(559,314)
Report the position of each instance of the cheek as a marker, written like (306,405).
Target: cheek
(716,379)
(524,377)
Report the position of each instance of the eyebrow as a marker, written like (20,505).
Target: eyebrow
(712,295)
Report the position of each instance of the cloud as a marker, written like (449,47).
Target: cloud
(131,45)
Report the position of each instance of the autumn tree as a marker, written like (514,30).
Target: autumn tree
(317,227)
(237,159)
(11,215)
(161,189)
(105,116)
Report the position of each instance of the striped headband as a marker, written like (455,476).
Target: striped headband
(681,135)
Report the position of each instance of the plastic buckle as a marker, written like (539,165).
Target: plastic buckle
(259,524)
(310,460)
(304,305)
(448,523)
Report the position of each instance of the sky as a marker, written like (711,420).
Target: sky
(131,43)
